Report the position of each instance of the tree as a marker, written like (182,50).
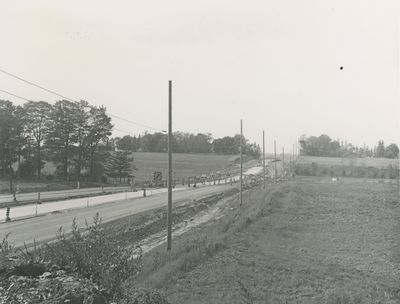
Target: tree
(36,116)
(62,133)
(380,149)
(392,151)
(80,147)
(226,145)
(99,127)
(11,129)
(119,164)
(126,143)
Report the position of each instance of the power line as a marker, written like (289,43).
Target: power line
(136,123)
(124,131)
(9,93)
(26,99)
(35,85)
(70,99)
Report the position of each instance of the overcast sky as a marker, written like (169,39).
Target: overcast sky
(274,64)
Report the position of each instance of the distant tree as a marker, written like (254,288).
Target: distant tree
(392,151)
(200,143)
(225,145)
(334,149)
(119,164)
(380,149)
(126,143)
(157,142)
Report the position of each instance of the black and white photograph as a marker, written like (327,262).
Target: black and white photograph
(200,152)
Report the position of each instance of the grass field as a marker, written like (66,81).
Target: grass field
(338,161)
(184,165)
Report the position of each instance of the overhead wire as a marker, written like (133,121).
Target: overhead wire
(70,99)
(26,99)
(12,94)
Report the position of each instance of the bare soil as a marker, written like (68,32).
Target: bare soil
(318,243)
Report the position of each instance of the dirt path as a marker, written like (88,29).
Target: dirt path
(320,243)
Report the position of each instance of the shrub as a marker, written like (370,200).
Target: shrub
(96,256)
(5,246)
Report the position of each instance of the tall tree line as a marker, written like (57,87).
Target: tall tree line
(73,135)
(323,145)
(183,142)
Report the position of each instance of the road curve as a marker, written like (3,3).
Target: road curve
(43,228)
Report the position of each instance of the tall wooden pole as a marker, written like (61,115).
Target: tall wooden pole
(241,164)
(169,214)
(283,159)
(293,153)
(264,157)
(275,177)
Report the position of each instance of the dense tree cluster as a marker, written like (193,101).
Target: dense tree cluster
(323,145)
(73,135)
(186,143)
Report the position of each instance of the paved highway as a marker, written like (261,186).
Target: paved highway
(43,228)
(31,210)
(61,194)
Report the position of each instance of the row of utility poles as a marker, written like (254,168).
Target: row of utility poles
(170,180)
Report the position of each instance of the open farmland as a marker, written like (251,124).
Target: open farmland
(340,161)
(314,242)
(184,165)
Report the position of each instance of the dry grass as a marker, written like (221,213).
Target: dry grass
(301,243)
(161,268)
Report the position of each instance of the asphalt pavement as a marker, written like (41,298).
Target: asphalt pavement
(43,228)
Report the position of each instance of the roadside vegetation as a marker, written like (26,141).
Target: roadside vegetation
(162,269)
(292,243)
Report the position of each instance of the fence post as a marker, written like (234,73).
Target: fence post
(8,219)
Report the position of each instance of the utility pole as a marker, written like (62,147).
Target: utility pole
(293,162)
(283,160)
(293,153)
(169,214)
(241,164)
(275,176)
(264,157)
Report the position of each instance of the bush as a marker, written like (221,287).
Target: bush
(96,256)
